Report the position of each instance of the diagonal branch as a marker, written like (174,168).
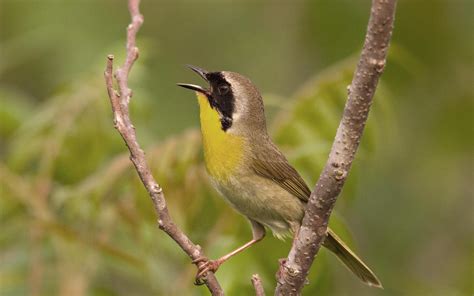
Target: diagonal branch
(120,101)
(293,272)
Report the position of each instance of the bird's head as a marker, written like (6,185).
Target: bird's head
(234,97)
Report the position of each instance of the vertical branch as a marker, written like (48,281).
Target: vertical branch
(120,101)
(257,284)
(294,271)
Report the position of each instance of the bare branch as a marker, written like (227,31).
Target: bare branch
(294,271)
(120,101)
(257,284)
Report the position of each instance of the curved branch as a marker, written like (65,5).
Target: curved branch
(293,272)
(120,101)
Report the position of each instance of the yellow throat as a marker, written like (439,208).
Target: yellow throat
(223,151)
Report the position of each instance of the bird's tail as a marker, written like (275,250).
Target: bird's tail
(350,260)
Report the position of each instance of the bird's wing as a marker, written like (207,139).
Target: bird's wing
(274,166)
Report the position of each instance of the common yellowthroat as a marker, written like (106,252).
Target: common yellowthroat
(249,171)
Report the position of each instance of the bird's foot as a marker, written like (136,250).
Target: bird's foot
(205,265)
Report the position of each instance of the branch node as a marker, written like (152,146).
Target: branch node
(136,53)
(157,189)
(161,224)
(340,174)
(379,65)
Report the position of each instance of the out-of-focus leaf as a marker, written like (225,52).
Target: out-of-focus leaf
(14,108)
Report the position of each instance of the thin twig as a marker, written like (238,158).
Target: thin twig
(120,101)
(257,284)
(294,271)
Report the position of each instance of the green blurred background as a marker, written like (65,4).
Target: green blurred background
(75,219)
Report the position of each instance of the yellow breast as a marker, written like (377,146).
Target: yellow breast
(223,152)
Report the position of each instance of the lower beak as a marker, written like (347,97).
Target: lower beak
(200,72)
(194,87)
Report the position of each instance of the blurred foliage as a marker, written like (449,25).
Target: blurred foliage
(75,219)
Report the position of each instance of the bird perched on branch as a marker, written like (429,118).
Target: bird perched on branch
(249,171)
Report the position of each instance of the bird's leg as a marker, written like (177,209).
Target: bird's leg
(258,233)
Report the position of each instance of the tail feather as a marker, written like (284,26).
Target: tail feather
(350,260)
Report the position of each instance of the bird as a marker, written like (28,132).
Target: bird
(248,170)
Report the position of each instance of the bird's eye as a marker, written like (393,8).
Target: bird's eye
(223,89)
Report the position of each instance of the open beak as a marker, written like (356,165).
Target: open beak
(194,87)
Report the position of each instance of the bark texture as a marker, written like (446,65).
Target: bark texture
(293,272)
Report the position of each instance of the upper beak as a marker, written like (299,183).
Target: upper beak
(200,72)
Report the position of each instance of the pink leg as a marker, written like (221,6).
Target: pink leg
(258,232)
